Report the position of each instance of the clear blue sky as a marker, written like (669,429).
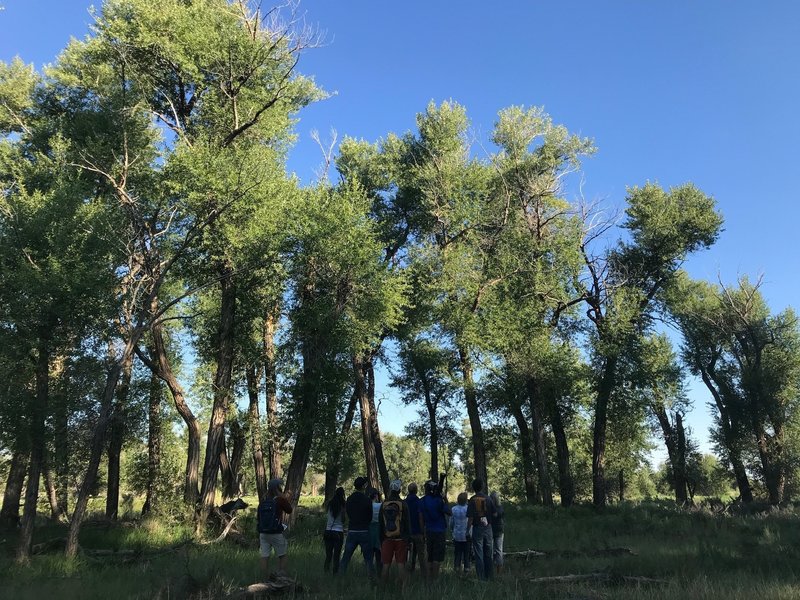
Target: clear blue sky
(671,91)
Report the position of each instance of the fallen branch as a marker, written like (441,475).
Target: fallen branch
(224,533)
(527,554)
(600,578)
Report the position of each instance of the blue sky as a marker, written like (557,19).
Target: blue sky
(670,91)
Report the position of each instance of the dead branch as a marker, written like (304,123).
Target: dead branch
(224,533)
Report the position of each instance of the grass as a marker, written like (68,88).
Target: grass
(701,555)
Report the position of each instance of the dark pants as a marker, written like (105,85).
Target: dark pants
(461,555)
(483,544)
(333,549)
(353,541)
(417,551)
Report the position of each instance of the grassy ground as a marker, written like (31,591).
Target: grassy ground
(699,554)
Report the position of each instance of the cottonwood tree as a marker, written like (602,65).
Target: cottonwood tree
(621,287)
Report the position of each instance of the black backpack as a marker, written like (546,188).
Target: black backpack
(268,517)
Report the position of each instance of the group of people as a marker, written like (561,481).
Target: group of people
(413,529)
(400,531)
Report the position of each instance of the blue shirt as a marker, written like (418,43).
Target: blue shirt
(413,502)
(433,511)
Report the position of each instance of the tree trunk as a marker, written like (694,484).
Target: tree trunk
(621,485)
(97,444)
(383,472)
(471,400)
(334,464)
(360,389)
(9,514)
(599,433)
(680,463)
(238,440)
(434,433)
(270,382)
(116,436)
(225,471)
(222,394)
(729,436)
(61,454)
(538,433)
(162,367)
(770,466)
(526,451)
(255,433)
(50,486)
(38,416)
(672,442)
(310,397)
(152,500)
(566,484)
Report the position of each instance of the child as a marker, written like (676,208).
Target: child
(461,534)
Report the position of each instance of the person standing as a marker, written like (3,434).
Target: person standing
(374,529)
(479,518)
(394,531)
(359,515)
(498,523)
(461,534)
(271,527)
(434,516)
(334,531)
(417,547)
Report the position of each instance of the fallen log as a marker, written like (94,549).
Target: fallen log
(49,545)
(224,533)
(600,578)
(278,585)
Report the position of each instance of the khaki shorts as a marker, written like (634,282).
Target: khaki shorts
(268,541)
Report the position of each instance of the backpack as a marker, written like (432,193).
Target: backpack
(480,507)
(268,517)
(392,518)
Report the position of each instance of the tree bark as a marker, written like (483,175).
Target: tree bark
(116,436)
(599,433)
(255,433)
(238,440)
(566,484)
(383,472)
(360,389)
(538,433)
(162,367)
(471,400)
(526,451)
(9,513)
(152,500)
(222,394)
(38,416)
(270,382)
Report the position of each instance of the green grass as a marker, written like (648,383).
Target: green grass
(700,554)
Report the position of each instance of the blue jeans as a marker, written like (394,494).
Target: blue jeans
(355,539)
(482,544)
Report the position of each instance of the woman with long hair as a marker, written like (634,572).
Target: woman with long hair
(334,530)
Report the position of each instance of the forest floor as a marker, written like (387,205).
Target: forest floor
(646,550)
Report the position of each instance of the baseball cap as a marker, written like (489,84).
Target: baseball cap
(396,485)
(360,482)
